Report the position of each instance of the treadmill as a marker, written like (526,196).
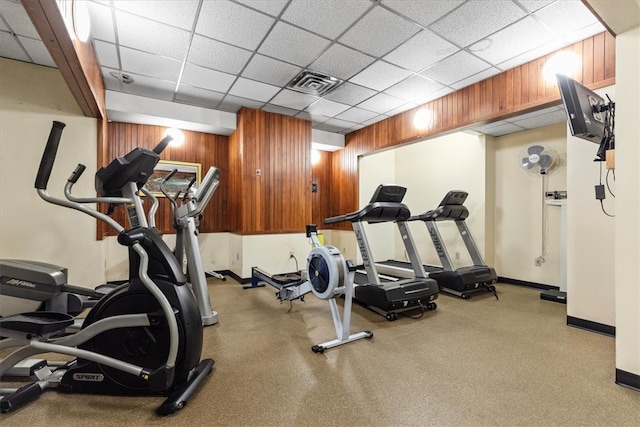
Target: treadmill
(389,298)
(464,280)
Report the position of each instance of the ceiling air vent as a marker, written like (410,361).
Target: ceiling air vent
(314,83)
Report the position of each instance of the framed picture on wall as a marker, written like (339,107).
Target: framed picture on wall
(186,172)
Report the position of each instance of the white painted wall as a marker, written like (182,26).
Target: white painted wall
(519,208)
(374,170)
(269,252)
(31,97)
(627,228)
(429,169)
(591,238)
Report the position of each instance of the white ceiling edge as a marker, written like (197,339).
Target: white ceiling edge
(127,108)
(326,141)
(621,17)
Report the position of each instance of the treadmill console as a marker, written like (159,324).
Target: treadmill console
(454,197)
(388,193)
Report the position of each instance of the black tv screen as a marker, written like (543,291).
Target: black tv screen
(583,108)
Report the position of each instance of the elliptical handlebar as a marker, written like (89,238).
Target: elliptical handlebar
(159,148)
(49,156)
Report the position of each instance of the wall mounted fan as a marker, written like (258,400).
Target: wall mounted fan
(538,159)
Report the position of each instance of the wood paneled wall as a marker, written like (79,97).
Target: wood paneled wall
(321,200)
(206,149)
(516,91)
(271,162)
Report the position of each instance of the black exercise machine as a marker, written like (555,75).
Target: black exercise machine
(389,298)
(464,280)
(144,337)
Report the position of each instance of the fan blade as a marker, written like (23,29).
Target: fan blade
(545,161)
(526,163)
(535,149)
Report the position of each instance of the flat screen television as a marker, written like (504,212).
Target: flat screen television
(587,113)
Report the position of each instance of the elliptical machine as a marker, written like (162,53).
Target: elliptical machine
(143,338)
(185,221)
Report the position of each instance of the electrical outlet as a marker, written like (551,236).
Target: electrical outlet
(457,255)
(290,253)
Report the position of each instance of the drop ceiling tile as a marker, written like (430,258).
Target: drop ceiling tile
(380,75)
(146,64)
(9,48)
(177,13)
(38,51)
(341,62)
(417,11)
(348,93)
(149,36)
(533,5)
(233,23)
(541,120)
(18,20)
(271,7)
(252,89)
(353,128)
(234,103)
(381,103)
(151,88)
(475,78)
(280,110)
(375,120)
(291,44)
(555,16)
(356,115)
(206,78)
(422,50)
(325,107)
(220,56)
(295,100)
(414,89)
(378,32)
(583,33)
(442,92)
(499,129)
(457,26)
(270,71)
(107,54)
(315,119)
(531,55)
(197,96)
(101,22)
(455,68)
(524,35)
(401,109)
(334,125)
(325,19)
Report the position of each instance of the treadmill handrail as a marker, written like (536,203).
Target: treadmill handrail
(443,213)
(375,212)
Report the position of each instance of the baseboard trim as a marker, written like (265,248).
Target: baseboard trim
(627,379)
(526,284)
(588,325)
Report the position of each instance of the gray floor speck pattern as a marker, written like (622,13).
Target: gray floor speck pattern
(479,362)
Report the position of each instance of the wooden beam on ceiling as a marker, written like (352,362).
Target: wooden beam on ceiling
(76,60)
